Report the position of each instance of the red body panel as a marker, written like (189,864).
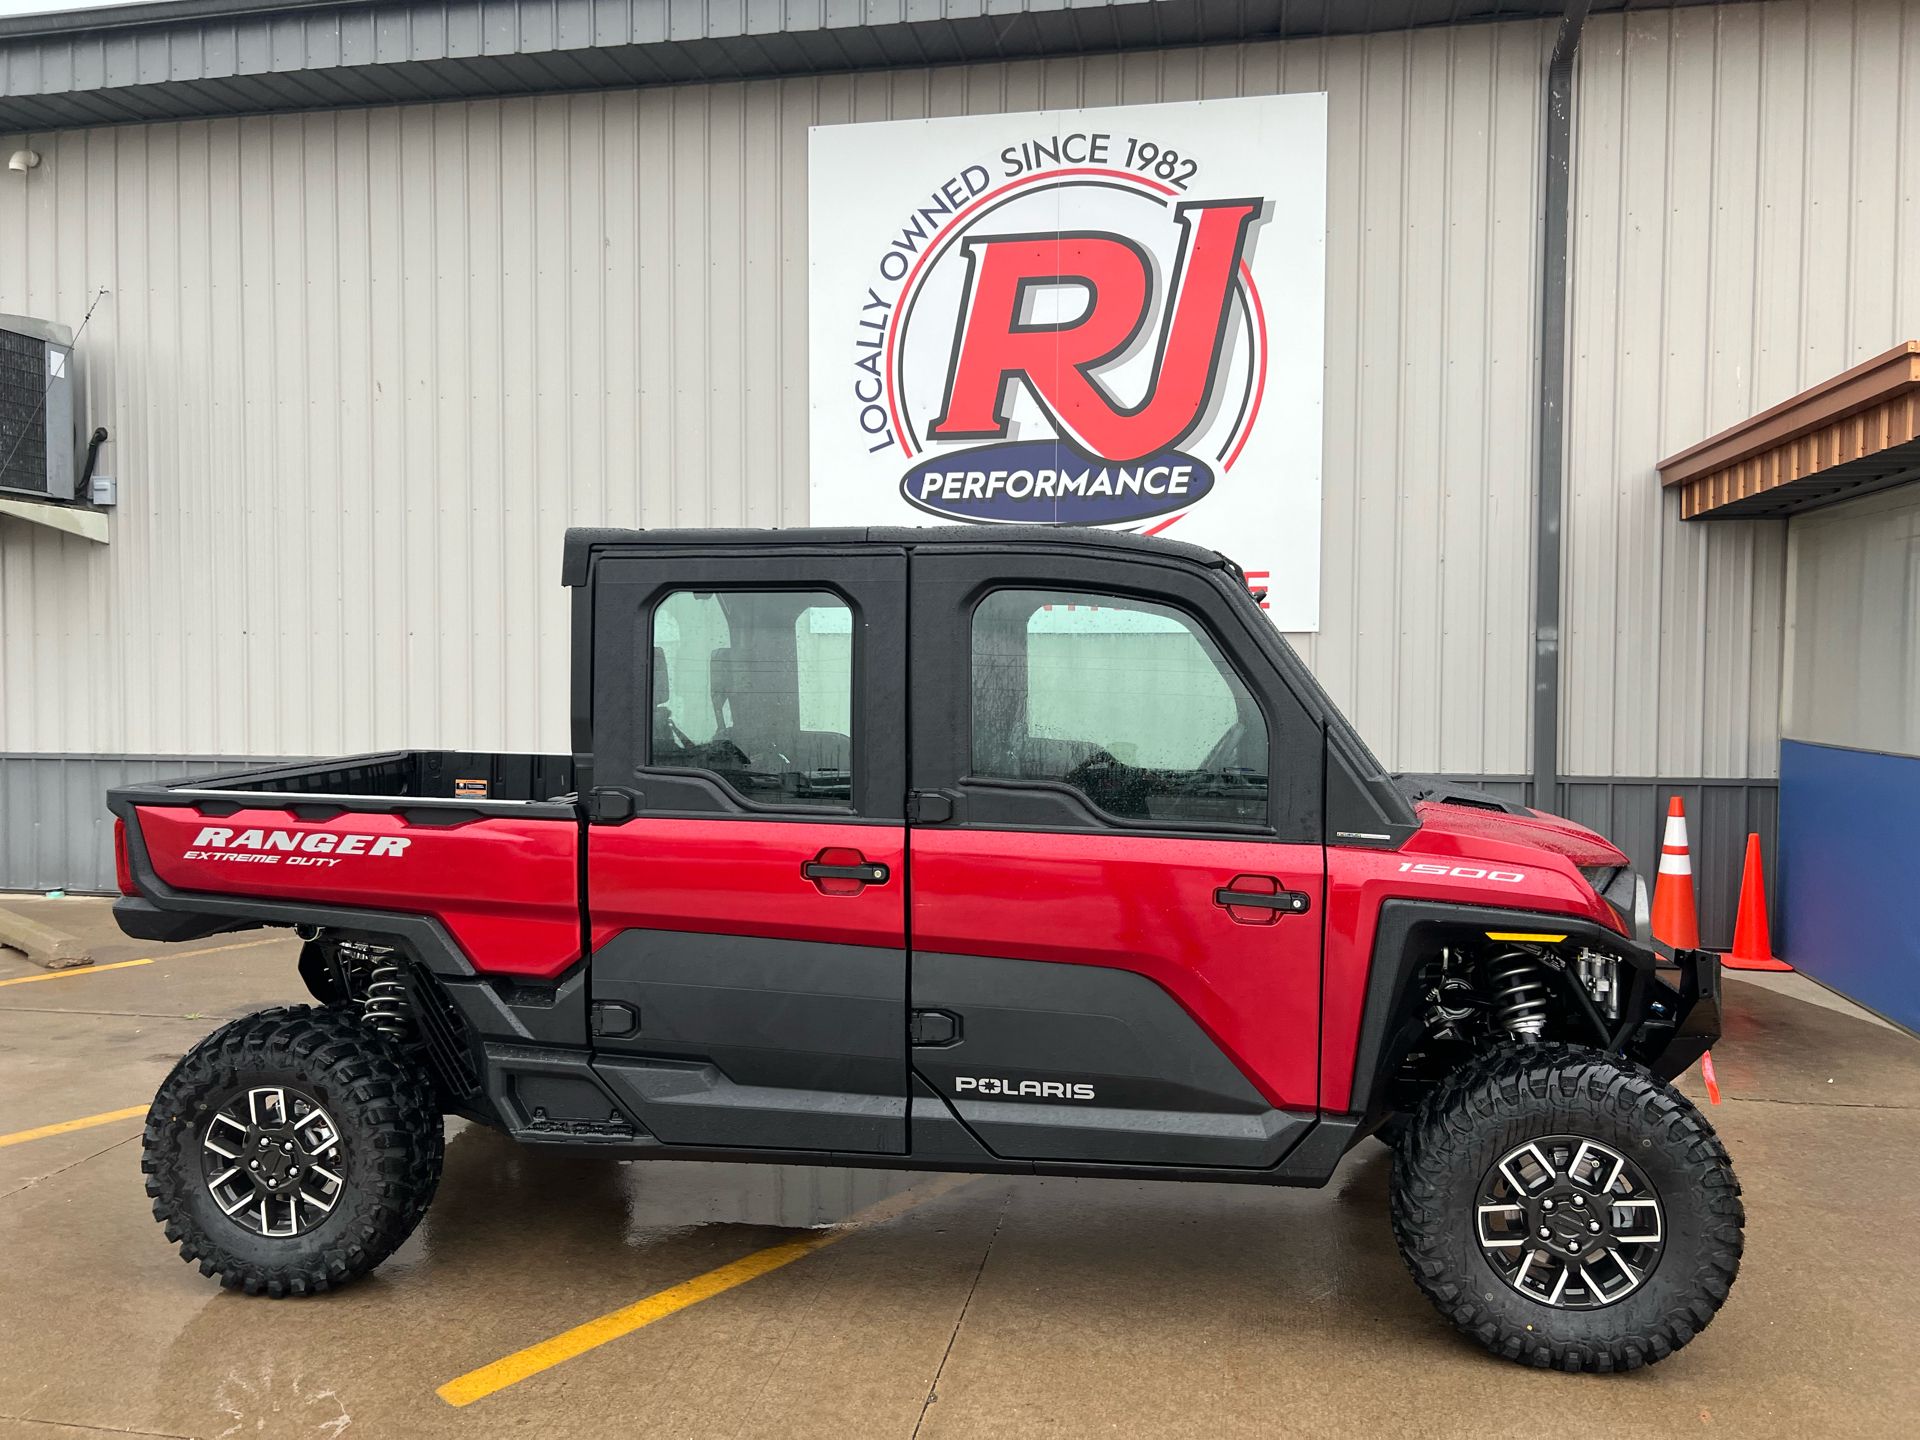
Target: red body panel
(1481,849)
(1468,827)
(507,890)
(742,877)
(1146,905)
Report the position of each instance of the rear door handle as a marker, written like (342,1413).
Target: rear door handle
(841,870)
(869,874)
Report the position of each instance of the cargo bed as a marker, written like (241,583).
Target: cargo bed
(474,857)
(410,774)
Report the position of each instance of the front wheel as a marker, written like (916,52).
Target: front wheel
(1567,1209)
(292,1151)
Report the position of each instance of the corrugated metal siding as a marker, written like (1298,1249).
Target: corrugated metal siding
(362,367)
(1744,228)
(82,70)
(55,832)
(1853,631)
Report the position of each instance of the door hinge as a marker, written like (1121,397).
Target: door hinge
(610,807)
(928,807)
(613,1020)
(933,1027)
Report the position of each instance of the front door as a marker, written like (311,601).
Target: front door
(746,872)
(1118,884)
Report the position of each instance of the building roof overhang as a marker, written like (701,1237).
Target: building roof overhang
(1851,435)
(193,58)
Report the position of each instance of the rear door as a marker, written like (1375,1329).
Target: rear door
(1117,874)
(746,872)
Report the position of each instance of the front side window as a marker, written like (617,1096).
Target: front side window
(757,687)
(1129,702)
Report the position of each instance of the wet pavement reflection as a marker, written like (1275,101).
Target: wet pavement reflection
(1003,1306)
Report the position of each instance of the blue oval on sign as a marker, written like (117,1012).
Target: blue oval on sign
(1044,482)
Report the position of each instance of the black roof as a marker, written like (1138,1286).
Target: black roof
(583,541)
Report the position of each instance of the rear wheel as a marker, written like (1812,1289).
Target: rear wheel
(1567,1209)
(292,1151)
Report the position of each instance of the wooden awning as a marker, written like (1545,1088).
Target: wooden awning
(1851,435)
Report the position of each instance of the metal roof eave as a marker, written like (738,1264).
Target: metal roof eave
(1853,434)
(195,58)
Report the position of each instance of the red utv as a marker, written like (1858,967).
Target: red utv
(1019,852)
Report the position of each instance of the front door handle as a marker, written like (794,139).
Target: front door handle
(1260,900)
(841,871)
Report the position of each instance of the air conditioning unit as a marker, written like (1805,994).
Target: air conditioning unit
(36,409)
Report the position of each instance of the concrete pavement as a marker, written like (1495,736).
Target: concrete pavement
(970,1308)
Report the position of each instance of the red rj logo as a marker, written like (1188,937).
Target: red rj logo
(994,344)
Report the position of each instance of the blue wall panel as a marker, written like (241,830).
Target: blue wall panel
(1849,863)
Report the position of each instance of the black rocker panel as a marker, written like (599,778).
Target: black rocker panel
(1162,1093)
(746,1041)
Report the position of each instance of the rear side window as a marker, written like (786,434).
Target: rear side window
(757,687)
(1128,702)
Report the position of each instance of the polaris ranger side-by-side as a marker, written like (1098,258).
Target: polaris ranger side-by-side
(1031,852)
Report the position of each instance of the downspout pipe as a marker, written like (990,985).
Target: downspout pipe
(1550,457)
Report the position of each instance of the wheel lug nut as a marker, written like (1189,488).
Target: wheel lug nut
(1545,1234)
(1580,1200)
(255,1165)
(1546,1204)
(1594,1226)
(1575,1247)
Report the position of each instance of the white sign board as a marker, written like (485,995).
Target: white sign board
(1082,317)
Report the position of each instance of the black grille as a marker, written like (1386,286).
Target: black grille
(23,414)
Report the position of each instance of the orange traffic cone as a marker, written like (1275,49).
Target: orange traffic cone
(1752,947)
(1675,921)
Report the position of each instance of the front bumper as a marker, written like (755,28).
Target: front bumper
(1684,1012)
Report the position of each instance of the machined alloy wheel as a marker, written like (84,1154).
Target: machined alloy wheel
(1569,1222)
(1567,1208)
(267,1153)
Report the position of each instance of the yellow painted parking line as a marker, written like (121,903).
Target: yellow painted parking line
(478,1384)
(70,974)
(67,1127)
(512,1369)
(79,970)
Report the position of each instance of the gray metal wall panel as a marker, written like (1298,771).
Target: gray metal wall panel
(92,69)
(1853,631)
(1739,235)
(55,832)
(362,367)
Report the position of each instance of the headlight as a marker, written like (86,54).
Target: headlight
(1626,892)
(1642,913)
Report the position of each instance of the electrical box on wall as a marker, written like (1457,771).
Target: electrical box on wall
(36,409)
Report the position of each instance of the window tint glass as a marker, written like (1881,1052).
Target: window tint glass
(1129,702)
(757,687)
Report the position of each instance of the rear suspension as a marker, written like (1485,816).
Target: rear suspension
(398,998)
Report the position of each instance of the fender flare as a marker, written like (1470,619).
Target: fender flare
(1395,965)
